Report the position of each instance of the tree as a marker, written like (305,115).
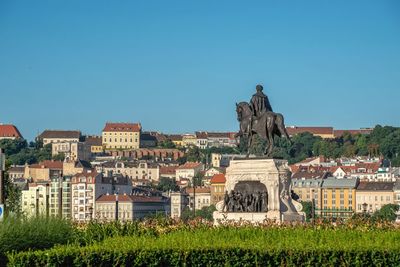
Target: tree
(167,184)
(386,213)
(193,154)
(167,144)
(206,212)
(59,157)
(307,209)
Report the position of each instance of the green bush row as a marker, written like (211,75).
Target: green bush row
(102,256)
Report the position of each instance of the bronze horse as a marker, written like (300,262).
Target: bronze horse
(267,125)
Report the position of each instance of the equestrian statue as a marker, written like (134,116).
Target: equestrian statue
(258,118)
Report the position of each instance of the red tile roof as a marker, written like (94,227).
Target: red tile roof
(9,130)
(122,127)
(189,165)
(168,170)
(48,164)
(218,179)
(314,130)
(60,134)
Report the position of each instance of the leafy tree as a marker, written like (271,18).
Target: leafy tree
(386,213)
(167,144)
(193,154)
(167,184)
(206,212)
(59,157)
(307,209)
(198,180)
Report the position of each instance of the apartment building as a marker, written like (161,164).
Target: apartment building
(61,197)
(121,135)
(35,199)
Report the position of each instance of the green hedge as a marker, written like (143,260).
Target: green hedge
(222,246)
(102,256)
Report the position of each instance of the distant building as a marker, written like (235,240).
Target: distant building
(199,197)
(188,170)
(189,140)
(44,170)
(148,140)
(35,200)
(129,207)
(177,139)
(61,197)
(168,171)
(9,131)
(340,133)
(121,135)
(16,172)
(179,201)
(95,144)
(59,136)
(72,150)
(201,140)
(323,132)
(218,160)
(374,195)
(158,154)
(217,188)
(137,170)
(338,198)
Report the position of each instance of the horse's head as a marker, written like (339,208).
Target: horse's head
(243,110)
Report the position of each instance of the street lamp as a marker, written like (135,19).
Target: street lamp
(313,205)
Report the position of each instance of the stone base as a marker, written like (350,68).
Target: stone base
(252,217)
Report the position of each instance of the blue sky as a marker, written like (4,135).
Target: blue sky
(180,66)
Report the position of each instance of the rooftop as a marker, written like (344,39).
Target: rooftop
(375,186)
(122,127)
(60,134)
(218,179)
(9,130)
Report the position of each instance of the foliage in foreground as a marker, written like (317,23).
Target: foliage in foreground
(226,246)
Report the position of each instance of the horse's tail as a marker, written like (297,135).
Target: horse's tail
(280,123)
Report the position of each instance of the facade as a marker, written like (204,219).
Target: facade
(323,132)
(59,136)
(16,172)
(201,140)
(121,135)
(217,188)
(148,140)
(9,131)
(374,195)
(308,190)
(189,140)
(72,150)
(168,171)
(95,144)
(338,198)
(179,201)
(44,170)
(199,197)
(177,139)
(35,200)
(221,139)
(188,170)
(158,154)
(86,188)
(60,197)
(70,168)
(137,170)
(129,207)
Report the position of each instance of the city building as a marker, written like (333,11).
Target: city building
(199,197)
(177,139)
(71,150)
(61,197)
(72,167)
(129,207)
(16,172)
(35,200)
(188,170)
(86,188)
(309,190)
(147,140)
(201,140)
(371,196)
(217,188)
(59,136)
(179,201)
(323,132)
(95,144)
(136,170)
(226,139)
(338,198)
(121,135)
(168,171)
(157,154)
(9,131)
(44,170)
(189,140)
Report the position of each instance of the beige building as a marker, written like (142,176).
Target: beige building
(137,170)
(189,140)
(199,197)
(95,144)
(121,135)
(129,207)
(70,167)
(179,201)
(308,190)
(44,170)
(57,136)
(188,170)
(71,150)
(373,195)
(35,200)
(16,172)
(217,188)
(60,197)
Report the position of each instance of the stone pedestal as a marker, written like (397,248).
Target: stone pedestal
(275,175)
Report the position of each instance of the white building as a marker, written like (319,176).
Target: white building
(35,200)
(188,170)
(178,203)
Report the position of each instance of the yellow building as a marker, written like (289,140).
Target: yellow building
(176,139)
(338,198)
(121,136)
(217,188)
(189,140)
